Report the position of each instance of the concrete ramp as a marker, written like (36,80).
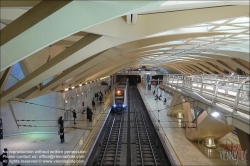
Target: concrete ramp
(208,126)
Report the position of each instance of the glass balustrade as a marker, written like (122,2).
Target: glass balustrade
(229,92)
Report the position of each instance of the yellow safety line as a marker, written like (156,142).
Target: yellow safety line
(164,133)
(86,145)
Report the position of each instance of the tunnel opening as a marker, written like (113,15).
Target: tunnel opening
(239,71)
(133,79)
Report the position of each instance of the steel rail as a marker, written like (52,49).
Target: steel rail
(107,142)
(152,151)
(139,141)
(118,140)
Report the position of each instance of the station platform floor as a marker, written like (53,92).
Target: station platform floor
(75,137)
(187,152)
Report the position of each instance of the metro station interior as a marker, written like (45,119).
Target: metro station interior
(169,81)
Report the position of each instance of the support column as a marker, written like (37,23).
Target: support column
(4,78)
(209,110)
(187,113)
(13,113)
(244,139)
(175,105)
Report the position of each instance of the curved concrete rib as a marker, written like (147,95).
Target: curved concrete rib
(83,49)
(146,24)
(60,24)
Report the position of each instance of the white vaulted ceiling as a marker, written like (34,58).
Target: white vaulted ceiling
(71,42)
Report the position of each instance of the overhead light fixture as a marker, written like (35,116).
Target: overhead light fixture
(86,83)
(82,93)
(72,87)
(103,78)
(179,115)
(80,84)
(215,114)
(66,101)
(66,89)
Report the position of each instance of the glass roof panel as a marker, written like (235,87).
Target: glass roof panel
(240,20)
(219,22)
(243,24)
(232,31)
(228,28)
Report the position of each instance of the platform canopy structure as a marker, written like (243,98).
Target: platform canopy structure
(48,46)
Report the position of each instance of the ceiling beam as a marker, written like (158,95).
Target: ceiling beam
(19,3)
(70,72)
(25,68)
(205,68)
(236,65)
(52,67)
(133,47)
(185,68)
(195,69)
(114,70)
(241,64)
(225,66)
(56,27)
(4,78)
(200,69)
(216,68)
(155,24)
(30,18)
(180,70)
(90,74)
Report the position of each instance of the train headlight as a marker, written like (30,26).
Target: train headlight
(123,105)
(114,105)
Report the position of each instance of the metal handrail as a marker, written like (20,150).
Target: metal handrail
(234,91)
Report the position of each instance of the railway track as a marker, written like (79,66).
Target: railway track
(111,149)
(129,138)
(146,149)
